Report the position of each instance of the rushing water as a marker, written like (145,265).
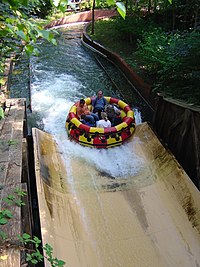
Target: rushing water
(61,76)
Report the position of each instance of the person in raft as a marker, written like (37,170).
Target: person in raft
(113,113)
(98,103)
(86,121)
(104,122)
(82,109)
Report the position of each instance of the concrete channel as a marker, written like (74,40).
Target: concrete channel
(150,219)
(153,220)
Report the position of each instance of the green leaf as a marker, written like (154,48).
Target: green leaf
(19,203)
(1,113)
(26,236)
(28,257)
(36,52)
(121,9)
(21,26)
(63,2)
(4,32)
(8,201)
(18,13)
(34,261)
(60,263)
(19,192)
(170,1)
(24,2)
(7,213)
(3,235)
(45,34)
(3,221)
(54,42)
(110,2)
(23,36)
(12,142)
(37,241)
(56,2)
(29,49)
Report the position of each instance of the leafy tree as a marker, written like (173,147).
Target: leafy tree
(173,60)
(18,31)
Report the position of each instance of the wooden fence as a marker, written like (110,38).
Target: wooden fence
(177,124)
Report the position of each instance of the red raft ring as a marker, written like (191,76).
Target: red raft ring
(101,137)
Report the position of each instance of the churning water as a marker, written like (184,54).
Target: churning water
(61,76)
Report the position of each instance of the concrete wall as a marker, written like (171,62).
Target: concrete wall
(85,16)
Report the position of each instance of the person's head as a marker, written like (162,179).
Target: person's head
(81,102)
(117,112)
(104,116)
(100,94)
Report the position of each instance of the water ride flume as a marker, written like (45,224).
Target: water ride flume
(101,137)
(148,218)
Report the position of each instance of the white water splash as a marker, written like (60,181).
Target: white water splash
(117,161)
(52,97)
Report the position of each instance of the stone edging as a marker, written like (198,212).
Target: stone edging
(85,16)
(4,89)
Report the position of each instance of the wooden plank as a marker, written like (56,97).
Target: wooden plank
(11,139)
(26,220)
(11,142)
(10,252)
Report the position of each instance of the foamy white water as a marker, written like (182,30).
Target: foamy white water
(53,94)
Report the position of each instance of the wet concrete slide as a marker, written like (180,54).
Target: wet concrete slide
(149,219)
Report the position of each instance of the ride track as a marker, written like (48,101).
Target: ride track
(144,218)
(150,218)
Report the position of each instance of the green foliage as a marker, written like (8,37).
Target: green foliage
(12,142)
(131,28)
(153,49)
(11,199)
(121,9)
(168,60)
(3,235)
(49,255)
(85,5)
(109,37)
(15,198)
(173,59)
(5,215)
(1,113)
(19,31)
(40,8)
(33,256)
(100,4)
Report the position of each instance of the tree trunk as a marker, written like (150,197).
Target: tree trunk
(154,6)
(93,7)
(173,15)
(149,6)
(196,18)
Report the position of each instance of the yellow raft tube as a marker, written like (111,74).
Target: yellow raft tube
(101,137)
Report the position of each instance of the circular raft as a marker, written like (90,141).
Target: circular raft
(101,137)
